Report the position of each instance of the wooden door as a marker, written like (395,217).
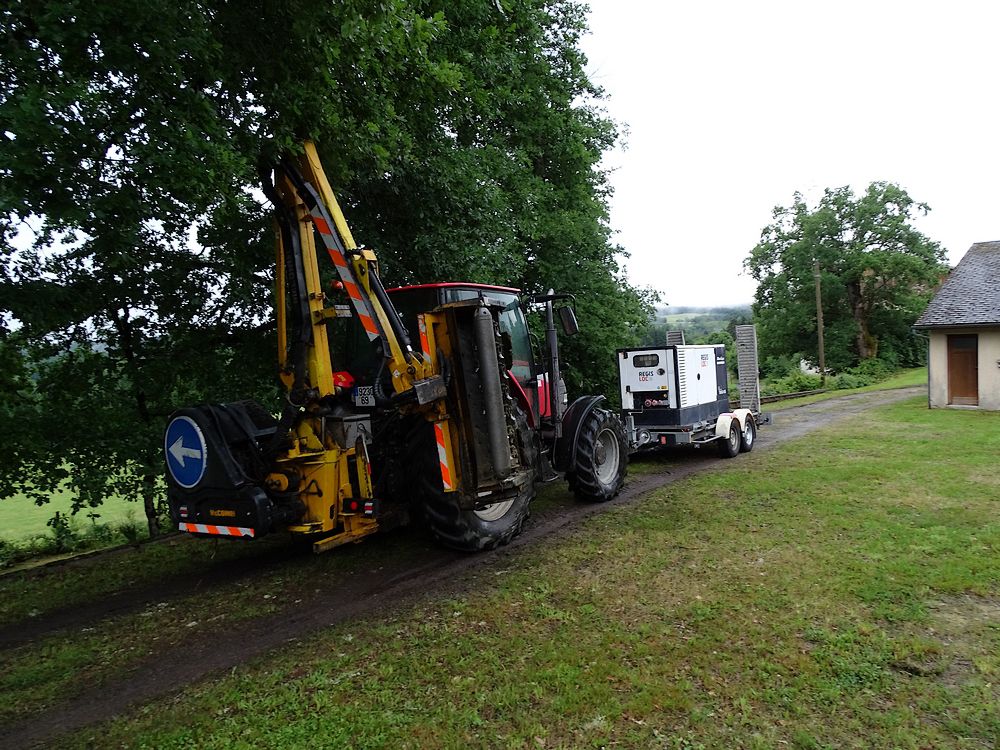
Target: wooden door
(963,370)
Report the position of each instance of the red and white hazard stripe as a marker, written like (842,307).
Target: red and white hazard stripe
(425,346)
(446,478)
(344,271)
(203,528)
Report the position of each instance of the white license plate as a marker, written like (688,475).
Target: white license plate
(364,395)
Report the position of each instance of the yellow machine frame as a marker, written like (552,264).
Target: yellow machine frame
(334,501)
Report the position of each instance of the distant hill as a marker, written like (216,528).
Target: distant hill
(671,311)
(696,322)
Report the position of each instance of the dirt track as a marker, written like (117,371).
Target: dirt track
(355,592)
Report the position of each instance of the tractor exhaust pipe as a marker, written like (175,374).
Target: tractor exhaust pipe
(489,375)
(555,374)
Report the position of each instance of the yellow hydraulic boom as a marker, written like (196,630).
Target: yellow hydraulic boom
(450,425)
(336,506)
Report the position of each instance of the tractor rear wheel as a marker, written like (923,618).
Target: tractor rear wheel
(601,458)
(482,528)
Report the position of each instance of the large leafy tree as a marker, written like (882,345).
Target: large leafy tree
(464,137)
(877,273)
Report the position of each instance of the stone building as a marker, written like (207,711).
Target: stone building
(963,326)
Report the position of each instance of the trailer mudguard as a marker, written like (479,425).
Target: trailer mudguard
(573,419)
(726,420)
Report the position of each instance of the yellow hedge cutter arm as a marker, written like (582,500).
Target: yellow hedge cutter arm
(312,472)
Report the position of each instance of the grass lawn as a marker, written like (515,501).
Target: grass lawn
(839,591)
(21,519)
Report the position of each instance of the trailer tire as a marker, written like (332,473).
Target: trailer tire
(749,436)
(483,528)
(730,448)
(601,458)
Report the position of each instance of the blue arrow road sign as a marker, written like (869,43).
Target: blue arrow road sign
(185,448)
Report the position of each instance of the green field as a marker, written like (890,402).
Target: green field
(675,318)
(21,519)
(695,324)
(838,591)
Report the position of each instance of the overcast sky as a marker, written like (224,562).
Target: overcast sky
(733,106)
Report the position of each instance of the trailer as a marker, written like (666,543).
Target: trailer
(679,395)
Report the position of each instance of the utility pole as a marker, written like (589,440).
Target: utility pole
(819,323)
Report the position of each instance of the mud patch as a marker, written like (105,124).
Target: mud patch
(967,627)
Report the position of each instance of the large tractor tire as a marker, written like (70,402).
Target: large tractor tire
(601,458)
(484,528)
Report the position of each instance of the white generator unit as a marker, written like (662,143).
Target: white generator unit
(679,395)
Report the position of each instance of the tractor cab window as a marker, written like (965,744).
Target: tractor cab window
(512,322)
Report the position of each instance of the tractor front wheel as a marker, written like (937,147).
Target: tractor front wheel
(601,458)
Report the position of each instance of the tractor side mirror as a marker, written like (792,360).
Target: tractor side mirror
(568,319)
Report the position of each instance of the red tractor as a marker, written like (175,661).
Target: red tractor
(457,428)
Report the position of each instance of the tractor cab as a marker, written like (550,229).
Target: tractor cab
(527,367)
(529,377)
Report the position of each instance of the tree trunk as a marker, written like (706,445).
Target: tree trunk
(867,344)
(126,341)
(149,504)
(819,323)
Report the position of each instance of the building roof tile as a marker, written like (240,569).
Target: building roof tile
(970,296)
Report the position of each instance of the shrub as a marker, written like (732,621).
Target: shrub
(846,380)
(869,372)
(792,383)
(8,553)
(64,536)
(12,553)
(801,381)
(130,530)
(876,370)
(67,536)
(778,367)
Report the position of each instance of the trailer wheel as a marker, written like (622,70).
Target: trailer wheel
(601,458)
(482,528)
(731,448)
(749,436)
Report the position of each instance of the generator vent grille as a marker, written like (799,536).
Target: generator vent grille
(746,362)
(675,338)
(682,383)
